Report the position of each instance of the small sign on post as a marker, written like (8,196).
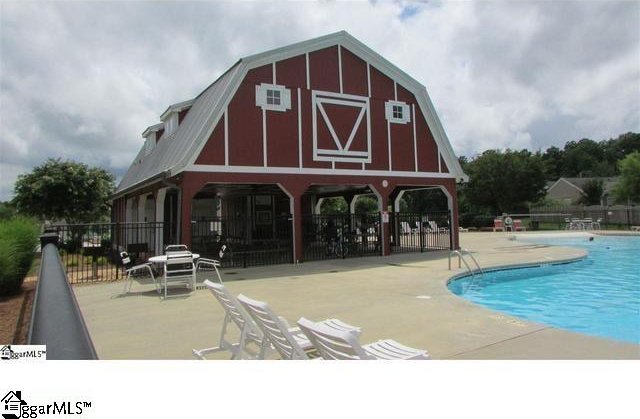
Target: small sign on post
(385,217)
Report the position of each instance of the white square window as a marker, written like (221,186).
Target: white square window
(397,112)
(272,97)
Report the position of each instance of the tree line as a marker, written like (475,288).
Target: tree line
(511,180)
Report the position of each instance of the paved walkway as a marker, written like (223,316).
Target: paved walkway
(403,297)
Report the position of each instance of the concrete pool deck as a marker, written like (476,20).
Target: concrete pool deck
(403,297)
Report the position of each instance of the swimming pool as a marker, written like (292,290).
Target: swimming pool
(599,295)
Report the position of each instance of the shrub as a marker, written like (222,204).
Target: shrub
(18,241)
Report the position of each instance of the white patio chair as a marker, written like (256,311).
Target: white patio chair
(135,272)
(176,248)
(290,342)
(335,344)
(212,264)
(180,269)
(596,224)
(587,223)
(234,313)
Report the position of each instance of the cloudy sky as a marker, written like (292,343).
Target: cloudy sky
(82,80)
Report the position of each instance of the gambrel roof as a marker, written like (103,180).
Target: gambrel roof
(180,150)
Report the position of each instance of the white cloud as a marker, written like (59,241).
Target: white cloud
(83,80)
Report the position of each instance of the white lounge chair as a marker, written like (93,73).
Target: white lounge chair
(405,228)
(335,344)
(136,272)
(290,342)
(180,269)
(249,332)
(435,229)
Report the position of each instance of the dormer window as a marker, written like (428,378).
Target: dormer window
(272,97)
(397,112)
(171,123)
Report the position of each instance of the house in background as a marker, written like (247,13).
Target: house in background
(569,191)
(251,157)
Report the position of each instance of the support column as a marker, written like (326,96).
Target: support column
(317,205)
(160,195)
(352,203)
(295,191)
(385,229)
(186,197)
(298,245)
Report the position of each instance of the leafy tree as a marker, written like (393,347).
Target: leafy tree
(64,190)
(335,205)
(504,181)
(628,187)
(583,157)
(366,204)
(553,163)
(423,201)
(593,191)
(6,210)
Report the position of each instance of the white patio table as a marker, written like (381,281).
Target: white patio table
(161,259)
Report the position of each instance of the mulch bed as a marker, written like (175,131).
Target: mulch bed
(15,314)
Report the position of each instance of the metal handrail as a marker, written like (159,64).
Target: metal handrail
(56,320)
(461,253)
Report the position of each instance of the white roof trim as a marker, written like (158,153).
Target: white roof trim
(176,107)
(153,128)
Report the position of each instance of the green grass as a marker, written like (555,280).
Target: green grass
(18,241)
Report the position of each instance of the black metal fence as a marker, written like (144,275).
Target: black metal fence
(420,232)
(250,241)
(91,252)
(333,236)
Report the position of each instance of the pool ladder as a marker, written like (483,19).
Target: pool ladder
(461,259)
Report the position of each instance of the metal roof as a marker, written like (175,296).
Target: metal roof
(171,151)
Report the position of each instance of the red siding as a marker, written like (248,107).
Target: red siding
(402,147)
(282,135)
(245,120)
(404,95)
(213,151)
(354,74)
(292,72)
(323,69)
(379,159)
(427,149)
(182,114)
(381,85)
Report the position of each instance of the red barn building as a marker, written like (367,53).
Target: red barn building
(249,159)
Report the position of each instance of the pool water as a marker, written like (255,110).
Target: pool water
(598,296)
